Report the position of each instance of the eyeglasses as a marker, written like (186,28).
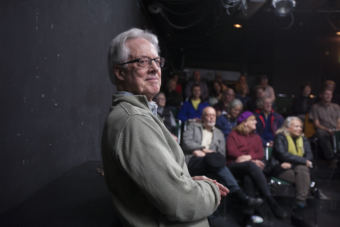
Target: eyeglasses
(146,61)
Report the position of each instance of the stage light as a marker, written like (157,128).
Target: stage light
(238,26)
(338,33)
(283,7)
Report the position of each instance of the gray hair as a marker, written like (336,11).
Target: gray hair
(286,124)
(118,52)
(234,103)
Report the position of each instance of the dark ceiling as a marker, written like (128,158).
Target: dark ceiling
(197,32)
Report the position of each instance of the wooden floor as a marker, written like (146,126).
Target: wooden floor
(80,198)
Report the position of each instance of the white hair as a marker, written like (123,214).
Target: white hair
(235,103)
(118,52)
(286,124)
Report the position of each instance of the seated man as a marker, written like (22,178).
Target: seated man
(204,146)
(326,117)
(268,121)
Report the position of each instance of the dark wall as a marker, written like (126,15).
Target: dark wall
(55,90)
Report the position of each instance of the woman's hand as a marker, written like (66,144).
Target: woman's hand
(309,164)
(243,158)
(259,163)
(286,165)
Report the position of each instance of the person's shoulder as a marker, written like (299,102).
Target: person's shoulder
(218,132)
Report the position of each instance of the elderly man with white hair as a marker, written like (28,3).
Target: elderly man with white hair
(144,166)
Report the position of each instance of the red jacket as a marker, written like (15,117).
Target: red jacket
(238,145)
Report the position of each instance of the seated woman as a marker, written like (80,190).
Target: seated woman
(291,158)
(226,122)
(245,154)
(204,147)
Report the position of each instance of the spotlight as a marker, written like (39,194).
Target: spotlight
(283,7)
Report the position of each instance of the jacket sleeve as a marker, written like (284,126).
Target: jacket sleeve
(307,149)
(189,141)
(281,151)
(145,155)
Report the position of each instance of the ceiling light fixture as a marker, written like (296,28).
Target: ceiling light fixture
(283,7)
(237,25)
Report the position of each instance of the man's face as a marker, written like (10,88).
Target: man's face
(326,96)
(267,105)
(306,91)
(141,80)
(196,92)
(209,117)
(229,95)
(197,76)
(295,128)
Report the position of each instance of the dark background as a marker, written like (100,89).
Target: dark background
(55,89)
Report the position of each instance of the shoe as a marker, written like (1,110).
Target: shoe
(247,200)
(255,219)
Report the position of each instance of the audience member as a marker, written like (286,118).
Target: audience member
(326,117)
(204,146)
(165,113)
(176,78)
(245,155)
(256,98)
(268,121)
(216,93)
(243,95)
(144,167)
(241,82)
(192,109)
(331,85)
(196,79)
(268,90)
(174,99)
(226,122)
(222,106)
(292,158)
(303,102)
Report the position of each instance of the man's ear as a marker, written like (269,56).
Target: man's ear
(119,72)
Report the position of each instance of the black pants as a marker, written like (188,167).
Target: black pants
(252,176)
(325,143)
(200,166)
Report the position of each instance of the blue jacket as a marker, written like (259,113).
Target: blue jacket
(187,111)
(275,119)
(225,124)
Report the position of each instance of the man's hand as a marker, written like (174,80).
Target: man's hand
(207,150)
(286,165)
(243,158)
(259,163)
(223,190)
(198,153)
